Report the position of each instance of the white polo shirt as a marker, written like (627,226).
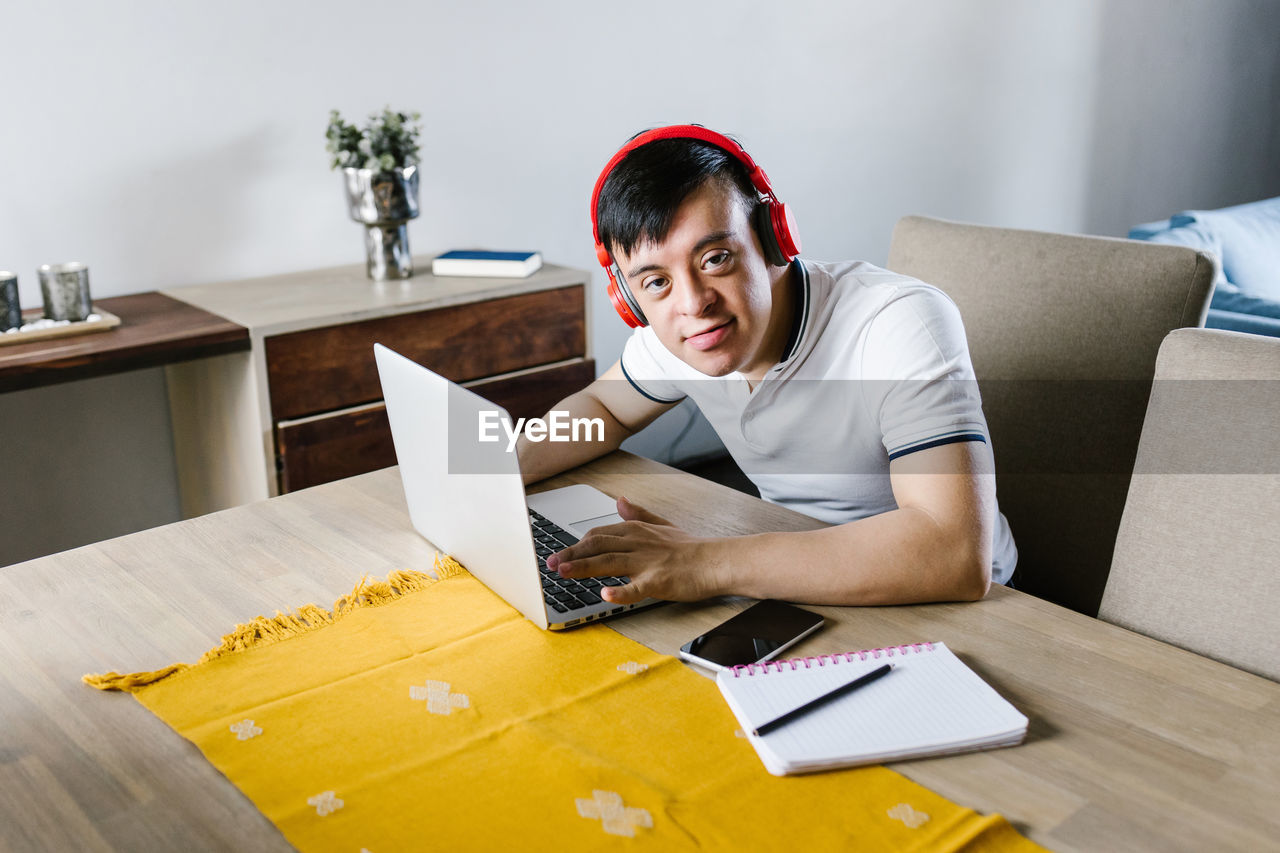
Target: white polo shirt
(876,367)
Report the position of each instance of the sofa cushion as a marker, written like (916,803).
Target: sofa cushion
(1246,238)
(1197,237)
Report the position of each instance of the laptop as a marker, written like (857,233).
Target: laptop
(466,496)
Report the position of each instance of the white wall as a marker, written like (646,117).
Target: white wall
(166,144)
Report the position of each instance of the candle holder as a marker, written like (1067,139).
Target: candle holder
(65,288)
(10,307)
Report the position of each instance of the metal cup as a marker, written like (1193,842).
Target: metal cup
(65,288)
(10,309)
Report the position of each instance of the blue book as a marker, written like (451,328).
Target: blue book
(487,264)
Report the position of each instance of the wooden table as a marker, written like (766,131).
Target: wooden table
(155,330)
(1133,745)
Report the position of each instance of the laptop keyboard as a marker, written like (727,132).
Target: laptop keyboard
(563,594)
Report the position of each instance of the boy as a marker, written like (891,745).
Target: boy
(844,391)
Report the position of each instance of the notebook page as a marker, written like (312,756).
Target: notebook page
(930,703)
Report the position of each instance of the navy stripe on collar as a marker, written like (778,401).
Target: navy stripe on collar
(800,318)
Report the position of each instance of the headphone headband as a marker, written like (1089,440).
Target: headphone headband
(759,179)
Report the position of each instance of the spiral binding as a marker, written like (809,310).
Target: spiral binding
(823,660)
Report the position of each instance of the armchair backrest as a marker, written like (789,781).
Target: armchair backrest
(1197,558)
(1063,331)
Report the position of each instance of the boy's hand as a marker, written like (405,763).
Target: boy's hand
(662,561)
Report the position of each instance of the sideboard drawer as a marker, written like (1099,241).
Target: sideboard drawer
(330,368)
(328,447)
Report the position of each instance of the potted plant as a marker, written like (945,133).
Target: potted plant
(379,165)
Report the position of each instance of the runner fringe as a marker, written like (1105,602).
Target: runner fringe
(265,630)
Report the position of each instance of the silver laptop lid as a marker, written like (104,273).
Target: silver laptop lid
(465,496)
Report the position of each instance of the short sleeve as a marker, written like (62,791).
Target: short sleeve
(919,381)
(648,367)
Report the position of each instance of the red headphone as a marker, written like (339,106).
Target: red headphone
(772,219)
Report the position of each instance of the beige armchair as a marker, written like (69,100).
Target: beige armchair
(1063,331)
(1197,559)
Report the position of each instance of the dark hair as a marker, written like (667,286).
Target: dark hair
(640,197)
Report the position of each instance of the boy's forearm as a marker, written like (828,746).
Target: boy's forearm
(903,556)
(542,459)
(898,557)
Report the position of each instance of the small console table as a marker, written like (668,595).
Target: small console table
(303,405)
(155,330)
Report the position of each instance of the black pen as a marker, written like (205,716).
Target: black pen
(796,713)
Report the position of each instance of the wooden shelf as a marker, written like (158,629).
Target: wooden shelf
(155,330)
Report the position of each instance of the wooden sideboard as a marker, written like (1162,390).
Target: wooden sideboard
(303,405)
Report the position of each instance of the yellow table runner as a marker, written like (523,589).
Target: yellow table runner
(442,719)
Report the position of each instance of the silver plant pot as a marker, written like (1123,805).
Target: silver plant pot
(384,202)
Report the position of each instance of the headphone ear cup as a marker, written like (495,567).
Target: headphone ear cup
(623,302)
(784,228)
(763,222)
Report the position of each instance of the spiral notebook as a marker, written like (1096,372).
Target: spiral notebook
(931,703)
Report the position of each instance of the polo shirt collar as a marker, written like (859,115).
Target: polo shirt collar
(800,314)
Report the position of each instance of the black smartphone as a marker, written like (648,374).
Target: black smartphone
(759,633)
